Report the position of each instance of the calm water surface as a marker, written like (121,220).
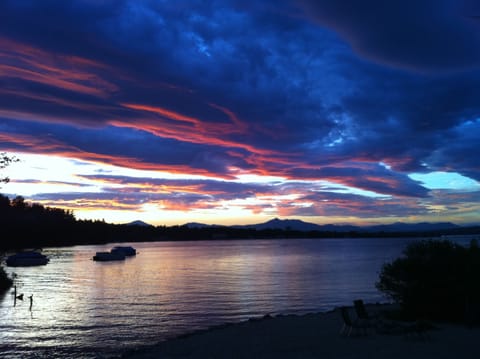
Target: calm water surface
(88,309)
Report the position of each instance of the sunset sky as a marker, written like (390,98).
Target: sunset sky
(238,111)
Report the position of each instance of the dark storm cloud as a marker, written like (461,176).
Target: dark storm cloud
(426,35)
(375,178)
(210,50)
(459,150)
(414,123)
(221,88)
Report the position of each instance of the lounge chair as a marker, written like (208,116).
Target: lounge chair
(351,327)
(367,319)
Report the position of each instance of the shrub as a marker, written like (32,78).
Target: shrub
(434,279)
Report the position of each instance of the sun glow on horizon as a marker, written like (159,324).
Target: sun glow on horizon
(97,191)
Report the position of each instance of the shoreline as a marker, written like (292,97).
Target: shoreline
(311,335)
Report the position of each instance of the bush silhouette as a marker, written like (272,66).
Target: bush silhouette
(435,279)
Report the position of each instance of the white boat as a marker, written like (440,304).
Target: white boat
(27,259)
(108,256)
(128,251)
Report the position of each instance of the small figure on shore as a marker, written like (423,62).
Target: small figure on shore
(31,301)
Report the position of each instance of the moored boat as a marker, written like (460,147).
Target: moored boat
(108,256)
(27,259)
(128,251)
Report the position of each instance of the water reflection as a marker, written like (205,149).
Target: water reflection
(82,308)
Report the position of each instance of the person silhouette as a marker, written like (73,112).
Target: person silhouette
(31,301)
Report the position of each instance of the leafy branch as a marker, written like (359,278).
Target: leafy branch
(6,160)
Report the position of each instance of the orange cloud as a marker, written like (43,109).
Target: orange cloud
(15,143)
(186,128)
(170,124)
(65,72)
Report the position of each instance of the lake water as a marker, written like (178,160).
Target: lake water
(87,309)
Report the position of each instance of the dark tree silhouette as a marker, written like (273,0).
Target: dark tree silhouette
(435,279)
(5,281)
(5,160)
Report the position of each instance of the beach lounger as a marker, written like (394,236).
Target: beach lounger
(415,330)
(351,327)
(368,320)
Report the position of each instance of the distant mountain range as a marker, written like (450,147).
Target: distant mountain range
(298,225)
(138,223)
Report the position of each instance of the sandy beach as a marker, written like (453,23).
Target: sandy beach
(315,336)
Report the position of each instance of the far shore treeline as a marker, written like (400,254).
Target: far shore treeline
(32,225)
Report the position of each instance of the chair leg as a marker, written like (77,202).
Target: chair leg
(345,330)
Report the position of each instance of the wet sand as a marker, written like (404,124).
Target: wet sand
(315,336)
